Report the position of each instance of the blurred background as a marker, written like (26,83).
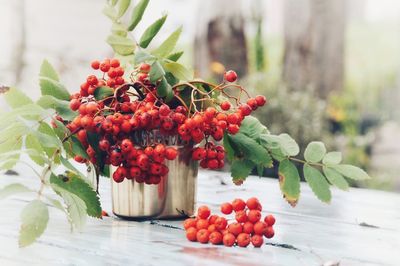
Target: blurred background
(331,69)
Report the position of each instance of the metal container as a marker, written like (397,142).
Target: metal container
(173,197)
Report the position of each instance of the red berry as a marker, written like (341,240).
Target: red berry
(189,222)
(254,216)
(269,232)
(191,234)
(245,109)
(261,100)
(216,238)
(145,68)
(203,212)
(238,205)
(252,203)
(105,66)
(235,228)
(233,118)
(230,76)
(114,63)
(202,224)
(269,220)
(92,80)
(135,172)
(257,241)
(229,239)
(225,106)
(233,129)
(95,64)
(252,103)
(171,153)
(241,216)
(203,236)
(259,228)
(243,240)
(220,223)
(164,110)
(74,104)
(248,228)
(226,208)
(213,218)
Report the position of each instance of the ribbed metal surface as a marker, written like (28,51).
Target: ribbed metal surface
(174,197)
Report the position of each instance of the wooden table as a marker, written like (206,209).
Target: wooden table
(360,227)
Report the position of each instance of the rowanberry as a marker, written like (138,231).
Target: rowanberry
(216,238)
(171,153)
(221,223)
(235,228)
(203,236)
(241,216)
(248,228)
(230,76)
(254,216)
(259,228)
(203,212)
(189,222)
(191,234)
(229,239)
(269,220)
(269,232)
(243,240)
(225,106)
(238,205)
(257,241)
(261,100)
(226,208)
(95,64)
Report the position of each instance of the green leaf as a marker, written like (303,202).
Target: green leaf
(103,92)
(151,32)
(316,180)
(78,149)
(93,140)
(240,169)
(178,70)
(251,149)
(122,7)
(171,79)
(49,82)
(252,127)
(335,178)
(110,12)
(164,89)
(60,106)
(48,71)
(288,145)
(13,189)
(70,167)
(143,56)
(32,142)
(351,171)
(260,170)
(47,141)
(334,157)
(34,219)
(137,14)
(156,71)
(289,181)
(53,88)
(168,45)
(175,56)
(16,98)
(230,152)
(75,185)
(315,151)
(76,207)
(28,112)
(121,45)
(119,29)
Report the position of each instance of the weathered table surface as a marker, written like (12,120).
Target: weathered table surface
(310,234)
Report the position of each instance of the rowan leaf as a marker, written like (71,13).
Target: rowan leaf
(12,189)
(331,158)
(240,169)
(351,171)
(289,181)
(315,151)
(178,70)
(137,14)
(317,181)
(34,219)
(335,178)
(168,45)
(72,183)
(121,45)
(16,98)
(151,32)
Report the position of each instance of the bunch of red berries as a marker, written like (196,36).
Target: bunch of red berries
(248,227)
(124,118)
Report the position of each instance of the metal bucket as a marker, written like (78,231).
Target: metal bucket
(173,197)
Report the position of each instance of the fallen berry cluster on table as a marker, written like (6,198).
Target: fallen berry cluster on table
(106,107)
(247,228)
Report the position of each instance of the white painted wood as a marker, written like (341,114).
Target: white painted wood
(320,233)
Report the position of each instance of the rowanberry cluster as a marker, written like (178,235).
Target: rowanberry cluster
(124,118)
(248,227)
